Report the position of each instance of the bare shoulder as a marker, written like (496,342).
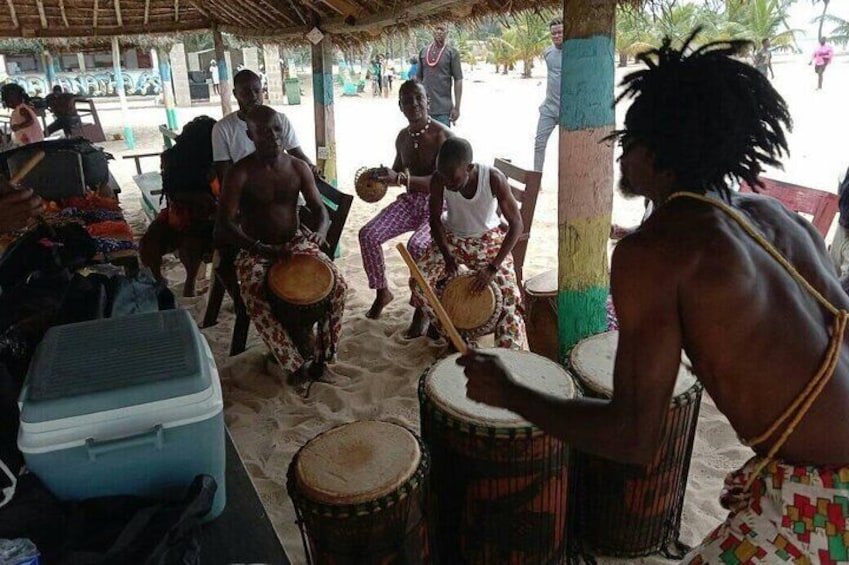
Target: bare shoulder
(443,131)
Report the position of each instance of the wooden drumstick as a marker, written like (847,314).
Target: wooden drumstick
(27,168)
(443,316)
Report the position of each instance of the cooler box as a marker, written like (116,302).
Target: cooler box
(124,406)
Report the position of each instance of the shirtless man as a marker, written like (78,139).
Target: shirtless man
(63,105)
(263,188)
(692,278)
(467,203)
(415,160)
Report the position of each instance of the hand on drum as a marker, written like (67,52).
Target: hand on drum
(386,175)
(451,267)
(482,279)
(489,382)
(318,238)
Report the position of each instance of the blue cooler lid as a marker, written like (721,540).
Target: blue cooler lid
(101,365)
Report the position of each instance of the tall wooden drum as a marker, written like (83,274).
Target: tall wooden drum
(541,314)
(359,495)
(499,484)
(631,510)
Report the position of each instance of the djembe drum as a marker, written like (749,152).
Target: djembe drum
(299,290)
(473,314)
(630,510)
(359,492)
(499,484)
(541,314)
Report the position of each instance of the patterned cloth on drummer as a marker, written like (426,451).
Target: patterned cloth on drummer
(794,514)
(475,252)
(409,213)
(251,270)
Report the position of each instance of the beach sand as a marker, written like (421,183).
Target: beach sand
(377,369)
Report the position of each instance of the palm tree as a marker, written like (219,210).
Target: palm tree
(634,33)
(528,36)
(501,53)
(757,20)
(822,16)
(840,33)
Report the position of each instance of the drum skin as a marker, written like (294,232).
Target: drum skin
(473,314)
(299,290)
(389,528)
(498,493)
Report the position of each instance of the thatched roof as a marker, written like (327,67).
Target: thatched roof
(348,21)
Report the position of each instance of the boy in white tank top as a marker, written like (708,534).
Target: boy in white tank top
(471,232)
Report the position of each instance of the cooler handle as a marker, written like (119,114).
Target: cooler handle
(153,437)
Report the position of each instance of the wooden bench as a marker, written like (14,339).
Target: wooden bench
(822,206)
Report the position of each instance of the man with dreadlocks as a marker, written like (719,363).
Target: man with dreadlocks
(745,287)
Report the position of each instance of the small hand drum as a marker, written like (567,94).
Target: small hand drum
(367,185)
(299,289)
(473,314)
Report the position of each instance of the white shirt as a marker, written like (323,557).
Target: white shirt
(216,78)
(230,141)
(472,217)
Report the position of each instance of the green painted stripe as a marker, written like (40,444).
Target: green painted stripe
(581,313)
(586,88)
(322,89)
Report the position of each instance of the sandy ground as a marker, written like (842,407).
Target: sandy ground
(378,370)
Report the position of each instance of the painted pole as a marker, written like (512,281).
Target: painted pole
(129,138)
(223,71)
(50,70)
(81,61)
(325,127)
(163,59)
(585,197)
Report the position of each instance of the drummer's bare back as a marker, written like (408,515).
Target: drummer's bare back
(269,197)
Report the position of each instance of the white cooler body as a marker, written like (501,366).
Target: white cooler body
(126,406)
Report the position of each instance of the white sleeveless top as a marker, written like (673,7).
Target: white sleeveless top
(469,217)
(29,134)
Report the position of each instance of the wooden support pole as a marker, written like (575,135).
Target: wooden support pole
(162,59)
(585,197)
(325,126)
(129,138)
(49,70)
(223,71)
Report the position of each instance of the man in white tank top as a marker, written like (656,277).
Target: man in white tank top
(471,233)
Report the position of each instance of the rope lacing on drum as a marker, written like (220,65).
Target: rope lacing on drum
(800,406)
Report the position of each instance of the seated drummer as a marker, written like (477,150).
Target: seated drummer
(747,290)
(415,161)
(191,191)
(262,190)
(470,232)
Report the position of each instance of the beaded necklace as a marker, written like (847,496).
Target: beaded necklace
(417,134)
(428,60)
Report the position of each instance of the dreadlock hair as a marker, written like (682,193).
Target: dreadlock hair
(187,166)
(707,117)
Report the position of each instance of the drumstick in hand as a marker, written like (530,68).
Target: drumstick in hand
(443,316)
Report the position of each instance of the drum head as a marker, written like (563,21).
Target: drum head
(544,283)
(302,279)
(445,386)
(357,463)
(466,309)
(592,363)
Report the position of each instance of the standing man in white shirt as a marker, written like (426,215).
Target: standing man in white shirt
(549,111)
(230,141)
(216,78)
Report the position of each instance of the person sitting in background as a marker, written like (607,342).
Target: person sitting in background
(23,121)
(64,108)
(191,191)
(262,191)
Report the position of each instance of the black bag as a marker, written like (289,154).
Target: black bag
(125,529)
(46,249)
